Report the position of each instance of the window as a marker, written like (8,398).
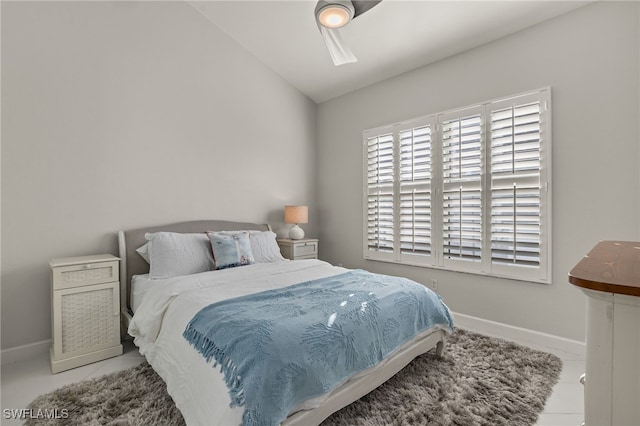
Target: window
(465,190)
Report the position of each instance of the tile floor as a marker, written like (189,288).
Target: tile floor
(23,381)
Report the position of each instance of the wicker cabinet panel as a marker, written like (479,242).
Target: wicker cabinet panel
(85,304)
(88,319)
(85,274)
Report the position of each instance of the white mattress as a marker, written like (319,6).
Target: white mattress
(163,309)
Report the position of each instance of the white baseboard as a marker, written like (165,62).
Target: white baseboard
(521,335)
(24,352)
(468,322)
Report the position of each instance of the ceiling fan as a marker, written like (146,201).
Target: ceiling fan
(331,15)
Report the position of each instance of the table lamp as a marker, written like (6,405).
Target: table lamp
(296,215)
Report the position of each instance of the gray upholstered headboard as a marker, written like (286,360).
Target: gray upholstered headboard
(131,262)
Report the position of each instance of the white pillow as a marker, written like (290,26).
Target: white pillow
(143,251)
(172,254)
(265,247)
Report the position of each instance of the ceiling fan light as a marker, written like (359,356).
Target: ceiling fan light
(334,16)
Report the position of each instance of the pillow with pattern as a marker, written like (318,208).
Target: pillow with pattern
(263,245)
(231,250)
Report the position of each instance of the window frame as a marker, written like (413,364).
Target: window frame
(437,259)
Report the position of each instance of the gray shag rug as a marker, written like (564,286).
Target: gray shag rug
(480,380)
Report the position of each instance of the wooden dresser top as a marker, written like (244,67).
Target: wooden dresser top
(611,266)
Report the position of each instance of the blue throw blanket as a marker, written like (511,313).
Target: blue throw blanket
(280,347)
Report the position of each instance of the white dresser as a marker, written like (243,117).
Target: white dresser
(610,277)
(85,308)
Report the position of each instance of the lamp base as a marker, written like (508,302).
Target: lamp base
(296,233)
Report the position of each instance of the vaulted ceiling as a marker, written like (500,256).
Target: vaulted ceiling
(392,38)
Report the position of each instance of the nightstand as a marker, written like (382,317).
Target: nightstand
(306,248)
(85,306)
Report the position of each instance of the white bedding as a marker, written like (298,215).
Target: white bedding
(164,307)
(140,284)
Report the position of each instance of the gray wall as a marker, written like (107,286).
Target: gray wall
(590,59)
(126,114)
(119,115)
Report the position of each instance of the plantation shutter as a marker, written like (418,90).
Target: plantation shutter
(380,203)
(517,195)
(462,138)
(415,191)
(466,190)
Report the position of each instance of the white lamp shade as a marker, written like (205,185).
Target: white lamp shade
(296,214)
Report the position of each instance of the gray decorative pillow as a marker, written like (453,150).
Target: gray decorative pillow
(231,250)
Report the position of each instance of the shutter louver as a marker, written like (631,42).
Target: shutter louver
(380,217)
(462,173)
(380,160)
(515,139)
(415,222)
(462,148)
(462,227)
(380,222)
(415,191)
(515,225)
(515,189)
(415,155)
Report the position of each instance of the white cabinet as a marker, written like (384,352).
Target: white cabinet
(85,306)
(610,276)
(306,248)
(612,382)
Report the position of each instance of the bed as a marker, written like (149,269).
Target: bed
(156,312)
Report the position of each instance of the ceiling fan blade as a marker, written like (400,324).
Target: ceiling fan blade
(340,53)
(361,6)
